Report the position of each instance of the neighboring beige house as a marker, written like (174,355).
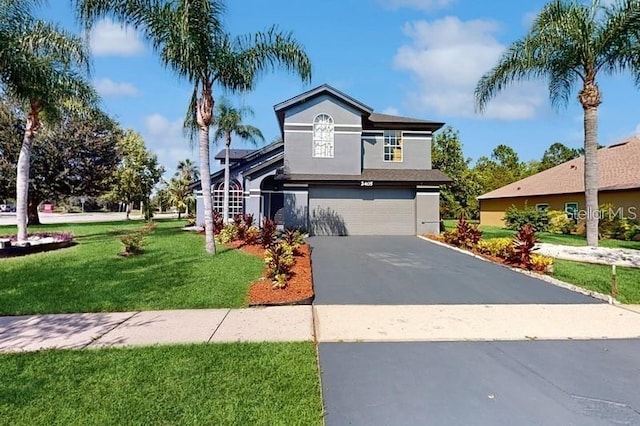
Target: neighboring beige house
(562,187)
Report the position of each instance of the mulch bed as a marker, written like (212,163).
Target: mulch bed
(493,259)
(299,290)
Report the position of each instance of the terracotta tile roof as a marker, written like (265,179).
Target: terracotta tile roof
(618,168)
(435,177)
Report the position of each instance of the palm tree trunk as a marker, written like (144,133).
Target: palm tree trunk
(32,212)
(22,183)
(225,203)
(205,174)
(204,115)
(591,173)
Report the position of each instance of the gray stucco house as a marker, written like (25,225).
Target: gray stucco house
(341,169)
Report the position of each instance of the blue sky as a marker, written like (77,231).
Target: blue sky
(417,58)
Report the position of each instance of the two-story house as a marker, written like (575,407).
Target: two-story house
(341,169)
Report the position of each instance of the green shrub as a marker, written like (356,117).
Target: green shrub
(560,223)
(633,233)
(228,234)
(134,241)
(279,260)
(497,247)
(515,218)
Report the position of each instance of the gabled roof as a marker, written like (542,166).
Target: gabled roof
(262,154)
(234,154)
(618,169)
(370,120)
(318,91)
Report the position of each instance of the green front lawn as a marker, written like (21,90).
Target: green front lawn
(489,232)
(598,278)
(173,273)
(239,383)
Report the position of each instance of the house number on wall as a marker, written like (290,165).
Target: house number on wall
(366,183)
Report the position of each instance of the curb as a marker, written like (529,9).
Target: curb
(542,277)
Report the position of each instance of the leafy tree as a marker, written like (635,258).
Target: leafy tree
(41,66)
(74,157)
(570,43)
(137,173)
(557,154)
(229,122)
(190,39)
(502,168)
(459,197)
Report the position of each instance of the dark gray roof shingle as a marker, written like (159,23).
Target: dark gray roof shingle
(375,175)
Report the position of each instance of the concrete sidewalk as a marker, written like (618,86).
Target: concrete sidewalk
(333,323)
(99,330)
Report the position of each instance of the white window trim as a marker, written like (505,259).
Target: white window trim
(577,209)
(401,133)
(333,137)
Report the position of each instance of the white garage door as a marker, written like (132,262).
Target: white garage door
(362,211)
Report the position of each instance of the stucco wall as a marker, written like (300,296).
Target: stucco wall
(492,211)
(416,152)
(298,138)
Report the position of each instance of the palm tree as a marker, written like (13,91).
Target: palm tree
(189,37)
(178,188)
(188,170)
(228,122)
(41,66)
(569,44)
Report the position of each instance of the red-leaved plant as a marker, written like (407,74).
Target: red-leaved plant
(524,244)
(218,222)
(466,235)
(268,232)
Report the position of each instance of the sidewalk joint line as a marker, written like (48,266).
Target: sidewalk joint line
(95,339)
(219,325)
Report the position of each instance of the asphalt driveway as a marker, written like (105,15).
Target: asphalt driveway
(396,270)
(481,383)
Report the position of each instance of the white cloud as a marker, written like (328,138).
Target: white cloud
(108,38)
(107,87)
(637,132)
(426,5)
(391,111)
(447,57)
(166,139)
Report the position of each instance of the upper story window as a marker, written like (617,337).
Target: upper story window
(393,146)
(323,136)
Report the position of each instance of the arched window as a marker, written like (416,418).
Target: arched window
(236,198)
(323,136)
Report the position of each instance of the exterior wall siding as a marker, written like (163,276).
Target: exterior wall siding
(492,211)
(298,152)
(416,152)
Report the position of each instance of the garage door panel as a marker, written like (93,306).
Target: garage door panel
(356,211)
